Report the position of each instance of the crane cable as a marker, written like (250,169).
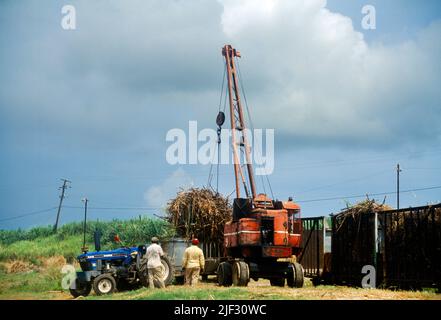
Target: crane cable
(210,174)
(252,127)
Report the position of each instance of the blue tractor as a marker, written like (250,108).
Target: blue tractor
(110,271)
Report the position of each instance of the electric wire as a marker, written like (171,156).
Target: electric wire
(157,208)
(252,127)
(28,214)
(367,194)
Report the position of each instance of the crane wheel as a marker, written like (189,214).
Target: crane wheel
(224,274)
(277,282)
(295,276)
(241,274)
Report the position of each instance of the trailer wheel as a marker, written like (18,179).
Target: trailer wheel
(81,289)
(241,274)
(104,284)
(295,276)
(224,274)
(277,282)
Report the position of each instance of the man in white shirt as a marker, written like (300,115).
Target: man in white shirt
(154,264)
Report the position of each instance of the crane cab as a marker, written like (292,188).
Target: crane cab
(268,229)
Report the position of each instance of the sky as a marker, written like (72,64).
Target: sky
(94,104)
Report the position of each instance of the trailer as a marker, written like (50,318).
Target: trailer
(315,255)
(175,248)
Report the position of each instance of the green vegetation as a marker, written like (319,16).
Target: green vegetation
(31,281)
(180,293)
(30,245)
(34,250)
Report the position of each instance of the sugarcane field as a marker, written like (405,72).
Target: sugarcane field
(227,158)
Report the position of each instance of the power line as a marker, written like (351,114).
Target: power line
(422,168)
(252,127)
(156,208)
(331,163)
(344,182)
(368,194)
(28,214)
(77,207)
(308,165)
(115,208)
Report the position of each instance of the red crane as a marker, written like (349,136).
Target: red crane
(263,238)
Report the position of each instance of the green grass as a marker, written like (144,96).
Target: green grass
(34,250)
(32,282)
(179,293)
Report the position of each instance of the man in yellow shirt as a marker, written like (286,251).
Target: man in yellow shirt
(193,262)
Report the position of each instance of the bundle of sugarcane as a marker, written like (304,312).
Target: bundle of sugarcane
(366,206)
(354,212)
(200,213)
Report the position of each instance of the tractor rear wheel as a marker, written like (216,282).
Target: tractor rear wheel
(104,284)
(295,276)
(81,289)
(241,274)
(224,274)
(277,282)
(167,268)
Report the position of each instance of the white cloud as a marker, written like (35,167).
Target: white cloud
(158,196)
(157,64)
(313,76)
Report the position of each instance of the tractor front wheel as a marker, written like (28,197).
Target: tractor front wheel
(104,284)
(81,289)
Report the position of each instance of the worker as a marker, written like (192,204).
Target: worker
(193,262)
(154,264)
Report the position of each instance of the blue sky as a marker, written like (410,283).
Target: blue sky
(94,104)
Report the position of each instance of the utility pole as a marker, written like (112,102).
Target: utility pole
(85,200)
(63,189)
(398,186)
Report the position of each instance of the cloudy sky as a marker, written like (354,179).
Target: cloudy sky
(94,104)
